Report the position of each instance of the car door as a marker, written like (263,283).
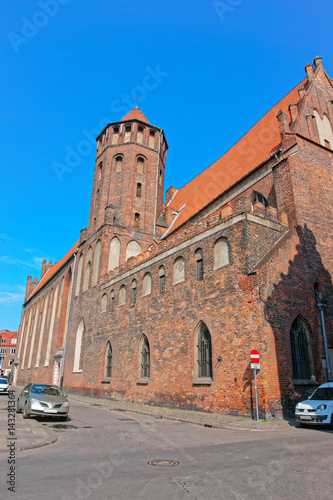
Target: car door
(24,395)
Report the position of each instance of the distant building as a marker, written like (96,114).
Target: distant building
(8,344)
(161,302)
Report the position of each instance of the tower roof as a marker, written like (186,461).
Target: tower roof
(135,113)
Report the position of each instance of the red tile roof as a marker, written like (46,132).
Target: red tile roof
(135,113)
(261,141)
(5,334)
(52,270)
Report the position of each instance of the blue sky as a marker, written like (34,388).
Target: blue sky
(204,71)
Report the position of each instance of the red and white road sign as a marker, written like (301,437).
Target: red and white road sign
(254,356)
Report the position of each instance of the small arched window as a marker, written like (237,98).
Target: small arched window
(119,164)
(161,277)
(104,303)
(108,361)
(112,300)
(100,167)
(134,292)
(146,286)
(115,136)
(221,253)
(204,368)
(179,270)
(301,352)
(140,165)
(133,249)
(122,295)
(144,358)
(140,135)
(136,220)
(138,190)
(198,265)
(259,197)
(151,142)
(127,136)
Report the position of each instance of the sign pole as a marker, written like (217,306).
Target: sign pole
(255,358)
(255,385)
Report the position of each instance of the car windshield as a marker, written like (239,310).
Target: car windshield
(47,390)
(3,381)
(323,394)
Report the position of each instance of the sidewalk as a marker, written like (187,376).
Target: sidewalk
(30,433)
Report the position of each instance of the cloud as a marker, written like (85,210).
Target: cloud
(9,298)
(4,236)
(7,259)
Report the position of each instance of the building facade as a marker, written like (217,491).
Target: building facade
(161,302)
(8,342)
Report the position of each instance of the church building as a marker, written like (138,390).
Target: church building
(164,296)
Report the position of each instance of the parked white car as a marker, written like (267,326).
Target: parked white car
(318,409)
(4,386)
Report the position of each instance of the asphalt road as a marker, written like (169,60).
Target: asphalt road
(102,454)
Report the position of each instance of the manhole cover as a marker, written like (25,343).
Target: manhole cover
(163,463)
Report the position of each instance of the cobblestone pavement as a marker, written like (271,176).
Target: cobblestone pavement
(30,433)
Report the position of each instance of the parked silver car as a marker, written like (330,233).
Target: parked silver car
(42,399)
(4,385)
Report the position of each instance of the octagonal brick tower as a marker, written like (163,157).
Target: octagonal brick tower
(128,187)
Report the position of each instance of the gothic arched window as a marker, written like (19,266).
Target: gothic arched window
(301,353)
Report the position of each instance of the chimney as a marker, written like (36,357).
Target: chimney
(309,71)
(283,122)
(301,92)
(83,235)
(318,61)
(170,193)
(293,111)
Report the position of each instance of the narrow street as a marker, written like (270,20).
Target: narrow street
(105,454)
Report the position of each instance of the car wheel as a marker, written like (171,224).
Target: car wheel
(25,414)
(18,409)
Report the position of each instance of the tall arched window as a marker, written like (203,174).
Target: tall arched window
(96,262)
(79,275)
(259,197)
(221,253)
(108,361)
(140,135)
(301,352)
(87,270)
(203,358)
(179,270)
(144,358)
(78,354)
(115,136)
(114,253)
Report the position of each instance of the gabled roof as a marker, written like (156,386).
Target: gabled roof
(137,114)
(53,270)
(8,335)
(260,142)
